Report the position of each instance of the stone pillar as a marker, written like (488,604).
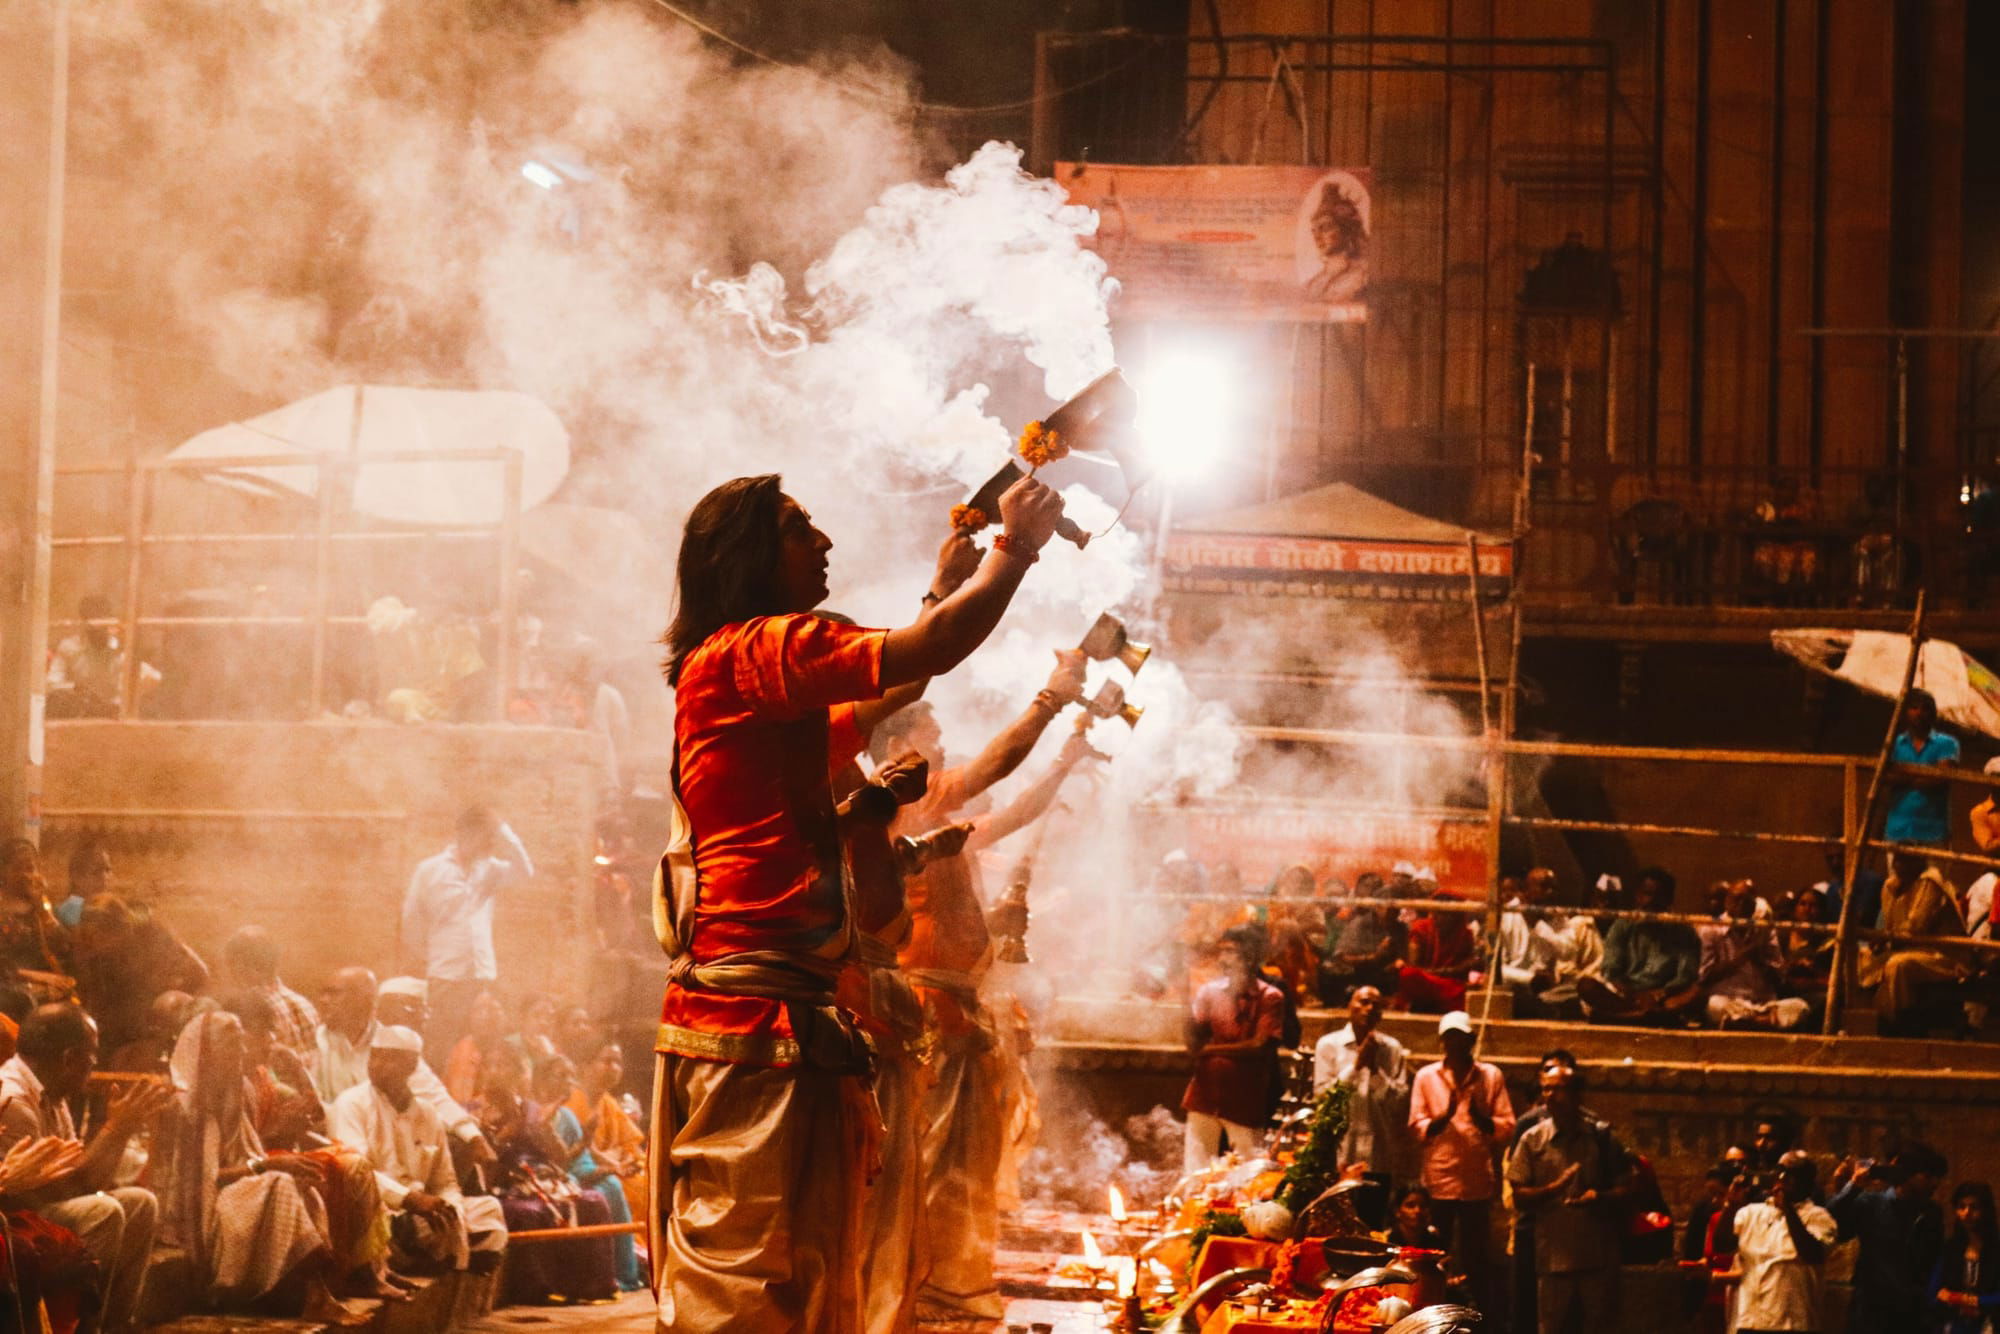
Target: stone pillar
(33,52)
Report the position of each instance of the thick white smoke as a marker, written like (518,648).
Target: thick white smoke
(324,195)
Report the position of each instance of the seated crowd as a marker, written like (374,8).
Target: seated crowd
(1743,961)
(303,1156)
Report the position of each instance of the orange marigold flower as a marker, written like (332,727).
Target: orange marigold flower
(968,518)
(1040,446)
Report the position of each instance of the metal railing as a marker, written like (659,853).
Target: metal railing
(331,528)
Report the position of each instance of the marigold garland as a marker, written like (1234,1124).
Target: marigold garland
(968,518)
(1284,1274)
(1040,446)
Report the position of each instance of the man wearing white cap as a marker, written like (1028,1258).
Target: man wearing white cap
(431,1221)
(1461,1117)
(357,1009)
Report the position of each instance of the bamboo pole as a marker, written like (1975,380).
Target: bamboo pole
(1479,636)
(1334,736)
(575,1233)
(94,813)
(505,648)
(1936,854)
(138,486)
(1857,832)
(1666,830)
(1464,906)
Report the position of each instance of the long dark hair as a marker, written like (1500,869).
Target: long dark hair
(728,567)
(1990,1232)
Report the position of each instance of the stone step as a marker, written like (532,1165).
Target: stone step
(243,1324)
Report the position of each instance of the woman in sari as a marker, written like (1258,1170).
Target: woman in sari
(616,1142)
(290,1121)
(250,1221)
(537,1195)
(535,1039)
(475,1053)
(30,936)
(554,1086)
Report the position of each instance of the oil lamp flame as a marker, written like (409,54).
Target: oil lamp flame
(1117,1205)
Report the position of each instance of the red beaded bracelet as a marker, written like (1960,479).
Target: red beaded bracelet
(1014,547)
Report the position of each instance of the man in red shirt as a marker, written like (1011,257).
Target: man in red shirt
(962,1123)
(763,1114)
(1233,1032)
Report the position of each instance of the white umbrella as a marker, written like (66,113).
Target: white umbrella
(1966,690)
(377,419)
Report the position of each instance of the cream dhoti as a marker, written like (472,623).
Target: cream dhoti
(892,1209)
(963,1136)
(757,1204)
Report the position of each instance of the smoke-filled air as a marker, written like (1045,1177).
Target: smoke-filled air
(708,269)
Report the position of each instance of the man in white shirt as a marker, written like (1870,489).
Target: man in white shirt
(356,1009)
(1376,1068)
(1544,950)
(448,918)
(1740,968)
(52,1064)
(431,1220)
(1781,1242)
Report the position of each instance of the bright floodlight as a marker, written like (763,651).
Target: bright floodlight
(1186,404)
(546,177)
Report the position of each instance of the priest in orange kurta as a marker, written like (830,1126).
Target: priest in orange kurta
(964,1122)
(763,1116)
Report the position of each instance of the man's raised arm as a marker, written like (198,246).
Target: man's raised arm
(946,635)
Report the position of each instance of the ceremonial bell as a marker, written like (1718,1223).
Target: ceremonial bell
(1107,640)
(1110,703)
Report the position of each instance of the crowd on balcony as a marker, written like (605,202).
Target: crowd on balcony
(1745,959)
(303,1154)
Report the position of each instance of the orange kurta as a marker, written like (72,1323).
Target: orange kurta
(751,733)
(947,920)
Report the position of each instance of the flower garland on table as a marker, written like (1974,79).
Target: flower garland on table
(1284,1274)
(1317,1165)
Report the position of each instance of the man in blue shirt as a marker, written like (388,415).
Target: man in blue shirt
(1891,1209)
(1919,809)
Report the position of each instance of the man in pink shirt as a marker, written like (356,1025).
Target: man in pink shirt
(1462,1118)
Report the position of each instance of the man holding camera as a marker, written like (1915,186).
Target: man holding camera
(1781,1244)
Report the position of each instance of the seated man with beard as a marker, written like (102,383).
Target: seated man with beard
(1365,945)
